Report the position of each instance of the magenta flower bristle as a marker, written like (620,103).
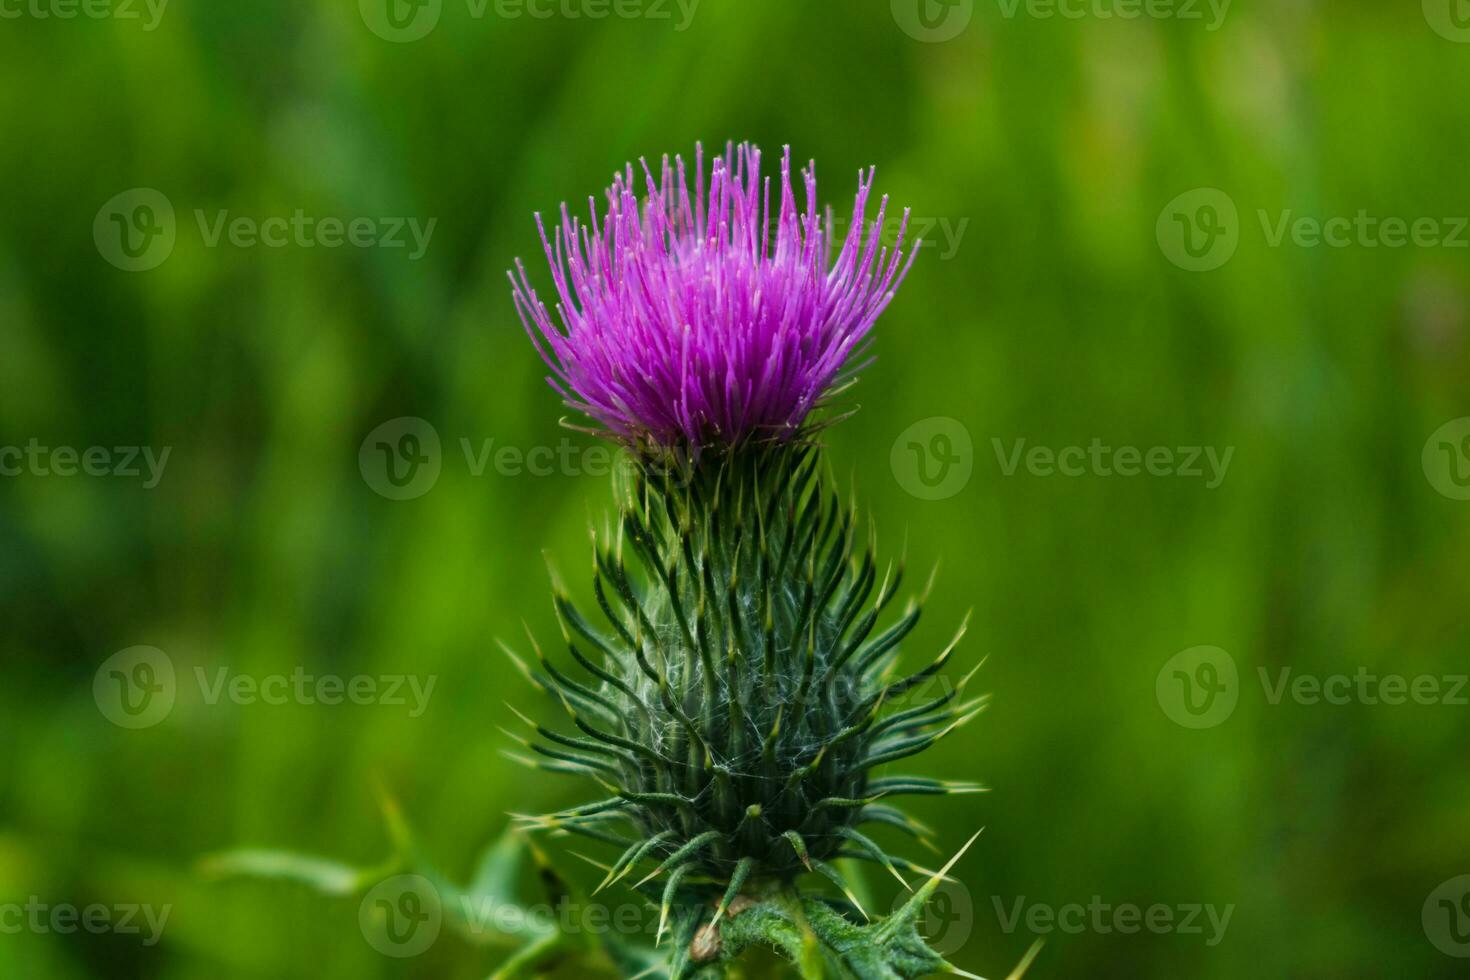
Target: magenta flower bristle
(687,320)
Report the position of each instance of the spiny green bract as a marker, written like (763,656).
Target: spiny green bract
(737,698)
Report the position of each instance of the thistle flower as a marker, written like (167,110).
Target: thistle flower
(738,701)
(700,317)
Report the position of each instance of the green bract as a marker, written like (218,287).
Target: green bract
(735,697)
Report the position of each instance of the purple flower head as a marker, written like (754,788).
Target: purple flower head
(702,319)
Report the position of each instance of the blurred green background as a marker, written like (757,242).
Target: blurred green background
(1049,146)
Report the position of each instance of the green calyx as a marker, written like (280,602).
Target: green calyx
(735,697)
